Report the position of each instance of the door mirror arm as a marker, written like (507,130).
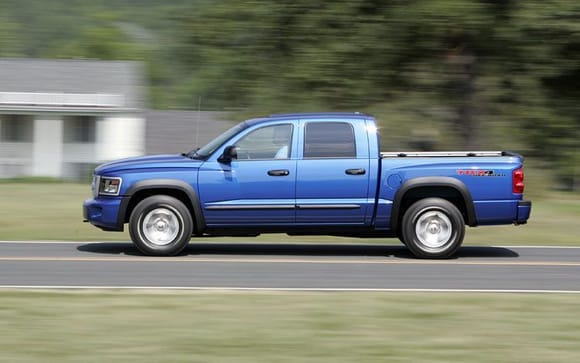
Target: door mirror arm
(230,153)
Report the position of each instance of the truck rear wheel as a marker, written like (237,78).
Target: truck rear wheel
(160,226)
(433,228)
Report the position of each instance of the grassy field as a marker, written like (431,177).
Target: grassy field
(287,327)
(154,326)
(52,211)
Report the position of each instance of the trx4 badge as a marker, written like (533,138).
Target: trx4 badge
(472,172)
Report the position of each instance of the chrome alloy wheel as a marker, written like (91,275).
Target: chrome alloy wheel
(433,229)
(161,226)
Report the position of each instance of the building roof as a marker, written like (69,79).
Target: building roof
(71,83)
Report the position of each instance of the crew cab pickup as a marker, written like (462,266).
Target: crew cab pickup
(309,173)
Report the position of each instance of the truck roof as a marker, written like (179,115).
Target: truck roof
(309,115)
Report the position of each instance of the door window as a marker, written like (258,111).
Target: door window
(329,140)
(270,142)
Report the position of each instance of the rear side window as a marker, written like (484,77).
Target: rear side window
(329,140)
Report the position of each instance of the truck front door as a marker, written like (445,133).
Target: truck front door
(256,188)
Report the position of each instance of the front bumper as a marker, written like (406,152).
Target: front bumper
(524,210)
(105,213)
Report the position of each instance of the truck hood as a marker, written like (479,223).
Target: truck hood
(174,161)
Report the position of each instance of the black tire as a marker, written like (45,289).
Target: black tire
(433,228)
(400,236)
(160,226)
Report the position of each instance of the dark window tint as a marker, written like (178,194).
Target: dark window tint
(80,129)
(16,128)
(329,140)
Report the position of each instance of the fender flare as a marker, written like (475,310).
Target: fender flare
(433,181)
(172,184)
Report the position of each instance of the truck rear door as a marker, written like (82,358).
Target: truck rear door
(332,177)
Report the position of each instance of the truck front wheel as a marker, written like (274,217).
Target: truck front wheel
(160,226)
(433,228)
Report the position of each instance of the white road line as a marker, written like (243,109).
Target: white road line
(174,260)
(280,289)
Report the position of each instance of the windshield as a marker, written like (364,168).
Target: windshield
(208,149)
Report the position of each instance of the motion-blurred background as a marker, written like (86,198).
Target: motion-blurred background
(439,74)
(85,82)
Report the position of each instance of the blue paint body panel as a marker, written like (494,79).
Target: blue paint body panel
(102,212)
(361,189)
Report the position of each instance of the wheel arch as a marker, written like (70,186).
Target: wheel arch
(172,187)
(451,189)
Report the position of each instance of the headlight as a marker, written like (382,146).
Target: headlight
(109,185)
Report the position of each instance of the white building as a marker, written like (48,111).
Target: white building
(59,118)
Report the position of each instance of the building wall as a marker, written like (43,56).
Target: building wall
(15,159)
(47,146)
(77,113)
(120,136)
(70,145)
(79,146)
(15,145)
(66,146)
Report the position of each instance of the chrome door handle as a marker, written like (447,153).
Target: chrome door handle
(360,171)
(278,172)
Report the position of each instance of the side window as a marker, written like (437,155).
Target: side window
(329,140)
(80,129)
(270,142)
(16,128)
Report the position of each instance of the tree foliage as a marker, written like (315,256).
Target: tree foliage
(456,73)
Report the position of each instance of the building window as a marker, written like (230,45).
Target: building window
(16,128)
(80,129)
(329,140)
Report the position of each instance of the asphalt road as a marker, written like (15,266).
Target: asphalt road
(287,267)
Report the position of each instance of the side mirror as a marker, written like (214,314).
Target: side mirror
(230,153)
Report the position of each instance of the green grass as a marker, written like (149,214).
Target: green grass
(555,221)
(287,327)
(52,211)
(155,326)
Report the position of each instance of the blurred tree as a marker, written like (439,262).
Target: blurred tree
(114,29)
(9,45)
(99,42)
(548,80)
(463,65)
(344,54)
(103,39)
(448,73)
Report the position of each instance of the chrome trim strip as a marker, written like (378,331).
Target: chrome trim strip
(249,207)
(282,206)
(436,154)
(328,206)
(95,185)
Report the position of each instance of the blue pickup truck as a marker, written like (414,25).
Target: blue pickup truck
(305,174)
